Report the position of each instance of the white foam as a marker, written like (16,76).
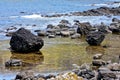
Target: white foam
(33,16)
(107,4)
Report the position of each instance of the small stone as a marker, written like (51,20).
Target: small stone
(13,62)
(98,62)
(97,56)
(51,36)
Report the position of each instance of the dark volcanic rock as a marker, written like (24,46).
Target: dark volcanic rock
(84,28)
(95,38)
(9,34)
(27,75)
(115,27)
(24,41)
(98,62)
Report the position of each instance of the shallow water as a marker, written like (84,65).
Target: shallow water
(58,55)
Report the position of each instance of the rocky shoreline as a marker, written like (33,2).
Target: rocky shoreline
(102,11)
(96,70)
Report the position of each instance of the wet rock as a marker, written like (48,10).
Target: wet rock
(84,28)
(68,76)
(115,27)
(115,20)
(58,33)
(24,41)
(103,28)
(22,12)
(103,69)
(34,25)
(95,38)
(51,31)
(64,24)
(49,76)
(9,34)
(42,33)
(11,28)
(87,74)
(37,30)
(106,75)
(50,26)
(65,33)
(75,36)
(51,36)
(114,66)
(72,31)
(98,62)
(97,56)
(13,62)
(27,75)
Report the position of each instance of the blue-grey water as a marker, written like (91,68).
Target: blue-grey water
(10,12)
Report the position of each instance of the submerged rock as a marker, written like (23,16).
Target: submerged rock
(24,41)
(95,38)
(13,62)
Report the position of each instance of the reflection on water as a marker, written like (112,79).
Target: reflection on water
(95,50)
(29,60)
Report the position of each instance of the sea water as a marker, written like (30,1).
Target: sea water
(28,12)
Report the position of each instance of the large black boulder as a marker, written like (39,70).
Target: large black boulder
(95,38)
(24,41)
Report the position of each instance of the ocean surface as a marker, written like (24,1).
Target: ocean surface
(28,12)
(25,13)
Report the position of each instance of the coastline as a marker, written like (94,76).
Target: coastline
(61,51)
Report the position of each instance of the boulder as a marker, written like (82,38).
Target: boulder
(42,33)
(87,74)
(24,41)
(51,36)
(64,24)
(115,20)
(103,28)
(25,75)
(84,28)
(115,27)
(72,31)
(114,66)
(50,26)
(65,33)
(98,62)
(95,38)
(106,75)
(75,36)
